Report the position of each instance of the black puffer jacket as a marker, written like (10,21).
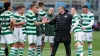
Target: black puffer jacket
(63,26)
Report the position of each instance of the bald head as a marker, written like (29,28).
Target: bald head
(51,10)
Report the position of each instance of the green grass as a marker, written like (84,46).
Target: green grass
(61,50)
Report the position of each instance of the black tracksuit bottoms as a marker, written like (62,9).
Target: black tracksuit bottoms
(55,47)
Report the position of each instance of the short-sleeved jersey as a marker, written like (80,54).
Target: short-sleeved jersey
(78,27)
(5,22)
(20,18)
(86,20)
(30,26)
(42,13)
(41,28)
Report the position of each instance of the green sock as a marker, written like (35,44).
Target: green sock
(12,51)
(21,50)
(90,50)
(33,52)
(30,51)
(16,51)
(79,51)
(2,51)
(39,51)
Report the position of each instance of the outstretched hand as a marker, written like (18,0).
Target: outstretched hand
(45,20)
(23,22)
(83,28)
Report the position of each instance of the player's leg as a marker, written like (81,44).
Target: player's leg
(44,42)
(6,49)
(21,48)
(83,40)
(3,45)
(2,51)
(16,36)
(22,44)
(78,46)
(89,40)
(12,43)
(39,44)
(51,40)
(89,48)
(32,45)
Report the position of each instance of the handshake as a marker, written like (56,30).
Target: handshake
(45,20)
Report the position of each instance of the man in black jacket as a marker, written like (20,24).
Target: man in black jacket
(62,23)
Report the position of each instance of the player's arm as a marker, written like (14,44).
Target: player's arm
(44,20)
(77,22)
(20,23)
(39,23)
(11,24)
(91,23)
(15,23)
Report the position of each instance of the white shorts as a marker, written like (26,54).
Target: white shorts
(18,35)
(7,39)
(87,36)
(49,38)
(39,40)
(32,39)
(78,36)
(24,36)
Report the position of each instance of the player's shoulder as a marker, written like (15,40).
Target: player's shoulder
(40,11)
(91,14)
(7,13)
(16,14)
(2,14)
(30,13)
(77,16)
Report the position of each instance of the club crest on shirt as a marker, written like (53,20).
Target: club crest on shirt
(65,16)
(58,17)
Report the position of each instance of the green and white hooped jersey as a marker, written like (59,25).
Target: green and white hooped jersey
(78,27)
(5,22)
(42,13)
(86,19)
(20,18)
(30,26)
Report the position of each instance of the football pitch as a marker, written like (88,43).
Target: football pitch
(61,50)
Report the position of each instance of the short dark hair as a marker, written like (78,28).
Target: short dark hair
(40,4)
(75,8)
(32,5)
(85,6)
(7,5)
(20,7)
